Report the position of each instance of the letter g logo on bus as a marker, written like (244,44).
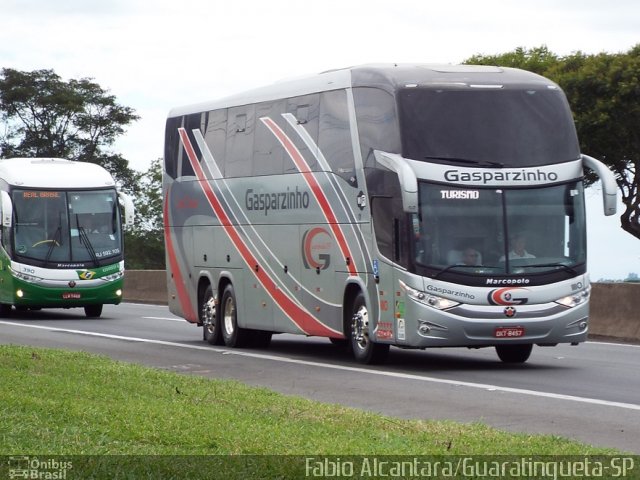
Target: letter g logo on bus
(316,248)
(508,296)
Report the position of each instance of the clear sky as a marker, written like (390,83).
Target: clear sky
(154,55)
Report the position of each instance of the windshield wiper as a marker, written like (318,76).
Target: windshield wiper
(54,243)
(483,163)
(449,267)
(84,238)
(546,265)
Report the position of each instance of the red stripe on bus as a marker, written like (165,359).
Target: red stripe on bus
(310,178)
(178,279)
(300,317)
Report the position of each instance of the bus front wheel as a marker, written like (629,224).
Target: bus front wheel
(232,334)
(364,349)
(514,353)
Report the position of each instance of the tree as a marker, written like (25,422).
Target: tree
(44,116)
(604,93)
(145,243)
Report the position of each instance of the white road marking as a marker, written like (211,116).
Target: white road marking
(595,342)
(406,376)
(181,320)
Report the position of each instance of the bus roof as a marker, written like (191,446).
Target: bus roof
(385,76)
(53,173)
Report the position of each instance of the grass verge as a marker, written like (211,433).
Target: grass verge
(56,402)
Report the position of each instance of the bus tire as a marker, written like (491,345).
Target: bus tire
(232,334)
(93,311)
(364,349)
(514,353)
(211,331)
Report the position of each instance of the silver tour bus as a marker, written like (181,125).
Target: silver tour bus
(413,206)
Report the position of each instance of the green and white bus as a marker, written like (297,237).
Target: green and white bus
(413,206)
(61,242)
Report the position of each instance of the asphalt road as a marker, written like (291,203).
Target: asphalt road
(590,392)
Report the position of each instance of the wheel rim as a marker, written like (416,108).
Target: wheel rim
(209,314)
(229,314)
(360,327)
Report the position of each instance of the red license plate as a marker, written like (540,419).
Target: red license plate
(509,332)
(71,296)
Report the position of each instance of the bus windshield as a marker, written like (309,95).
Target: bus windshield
(61,227)
(490,127)
(489,231)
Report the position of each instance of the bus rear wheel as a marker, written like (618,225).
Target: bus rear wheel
(514,353)
(364,349)
(233,335)
(211,331)
(93,311)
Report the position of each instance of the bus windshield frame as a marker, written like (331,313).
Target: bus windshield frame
(57,228)
(465,234)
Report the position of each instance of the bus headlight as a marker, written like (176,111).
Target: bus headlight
(113,277)
(576,299)
(433,301)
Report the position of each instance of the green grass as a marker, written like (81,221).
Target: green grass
(68,403)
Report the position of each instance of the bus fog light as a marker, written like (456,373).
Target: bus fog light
(19,293)
(582,325)
(118,293)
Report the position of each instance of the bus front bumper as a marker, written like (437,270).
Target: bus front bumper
(477,326)
(31,295)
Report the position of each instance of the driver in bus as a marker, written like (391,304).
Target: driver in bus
(518,249)
(470,256)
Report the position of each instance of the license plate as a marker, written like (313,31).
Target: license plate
(509,332)
(71,296)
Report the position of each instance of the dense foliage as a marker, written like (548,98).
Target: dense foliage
(145,242)
(44,116)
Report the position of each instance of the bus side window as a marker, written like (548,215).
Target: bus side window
(172,147)
(382,215)
(390,225)
(377,122)
(191,122)
(268,154)
(335,134)
(239,147)
(215,135)
(306,110)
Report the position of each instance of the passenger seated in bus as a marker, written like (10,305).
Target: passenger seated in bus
(468,256)
(518,249)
